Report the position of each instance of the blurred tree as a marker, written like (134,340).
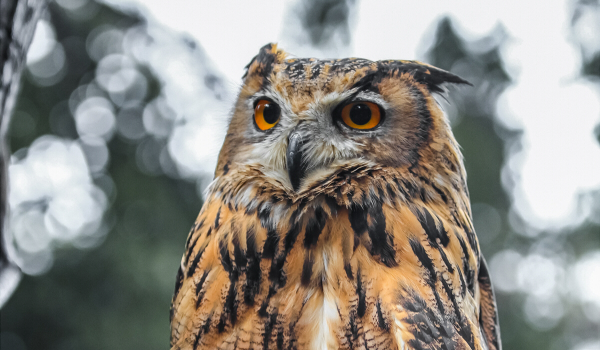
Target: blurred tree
(116,297)
(321,19)
(17,25)
(321,27)
(486,145)
(590,67)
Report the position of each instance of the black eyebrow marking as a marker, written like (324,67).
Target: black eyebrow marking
(368,82)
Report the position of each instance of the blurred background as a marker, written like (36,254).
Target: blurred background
(123,108)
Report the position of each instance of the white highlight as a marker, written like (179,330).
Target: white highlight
(53,201)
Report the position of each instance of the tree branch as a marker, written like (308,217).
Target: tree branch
(18,19)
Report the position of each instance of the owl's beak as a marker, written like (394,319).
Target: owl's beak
(295,166)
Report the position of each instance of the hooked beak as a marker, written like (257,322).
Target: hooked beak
(295,166)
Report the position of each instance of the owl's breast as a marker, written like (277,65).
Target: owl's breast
(316,275)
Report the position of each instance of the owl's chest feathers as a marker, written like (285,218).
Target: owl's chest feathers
(308,270)
(324,270)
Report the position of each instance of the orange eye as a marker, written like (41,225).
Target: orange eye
(361,115)
(266,114)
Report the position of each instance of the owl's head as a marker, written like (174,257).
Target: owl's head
(300,122)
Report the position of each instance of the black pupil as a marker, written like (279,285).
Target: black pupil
(360,114)
(271,113)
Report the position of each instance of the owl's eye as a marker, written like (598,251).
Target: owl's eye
(361,115)
(266,114)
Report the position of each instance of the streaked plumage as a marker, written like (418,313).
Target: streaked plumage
(365,241)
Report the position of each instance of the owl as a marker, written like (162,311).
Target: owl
(338,218)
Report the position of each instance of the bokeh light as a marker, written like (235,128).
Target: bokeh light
(53,202)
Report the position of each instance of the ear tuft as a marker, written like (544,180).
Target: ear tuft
(431,76)
(262,64)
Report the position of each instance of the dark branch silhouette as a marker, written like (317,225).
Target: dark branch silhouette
(18,19)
